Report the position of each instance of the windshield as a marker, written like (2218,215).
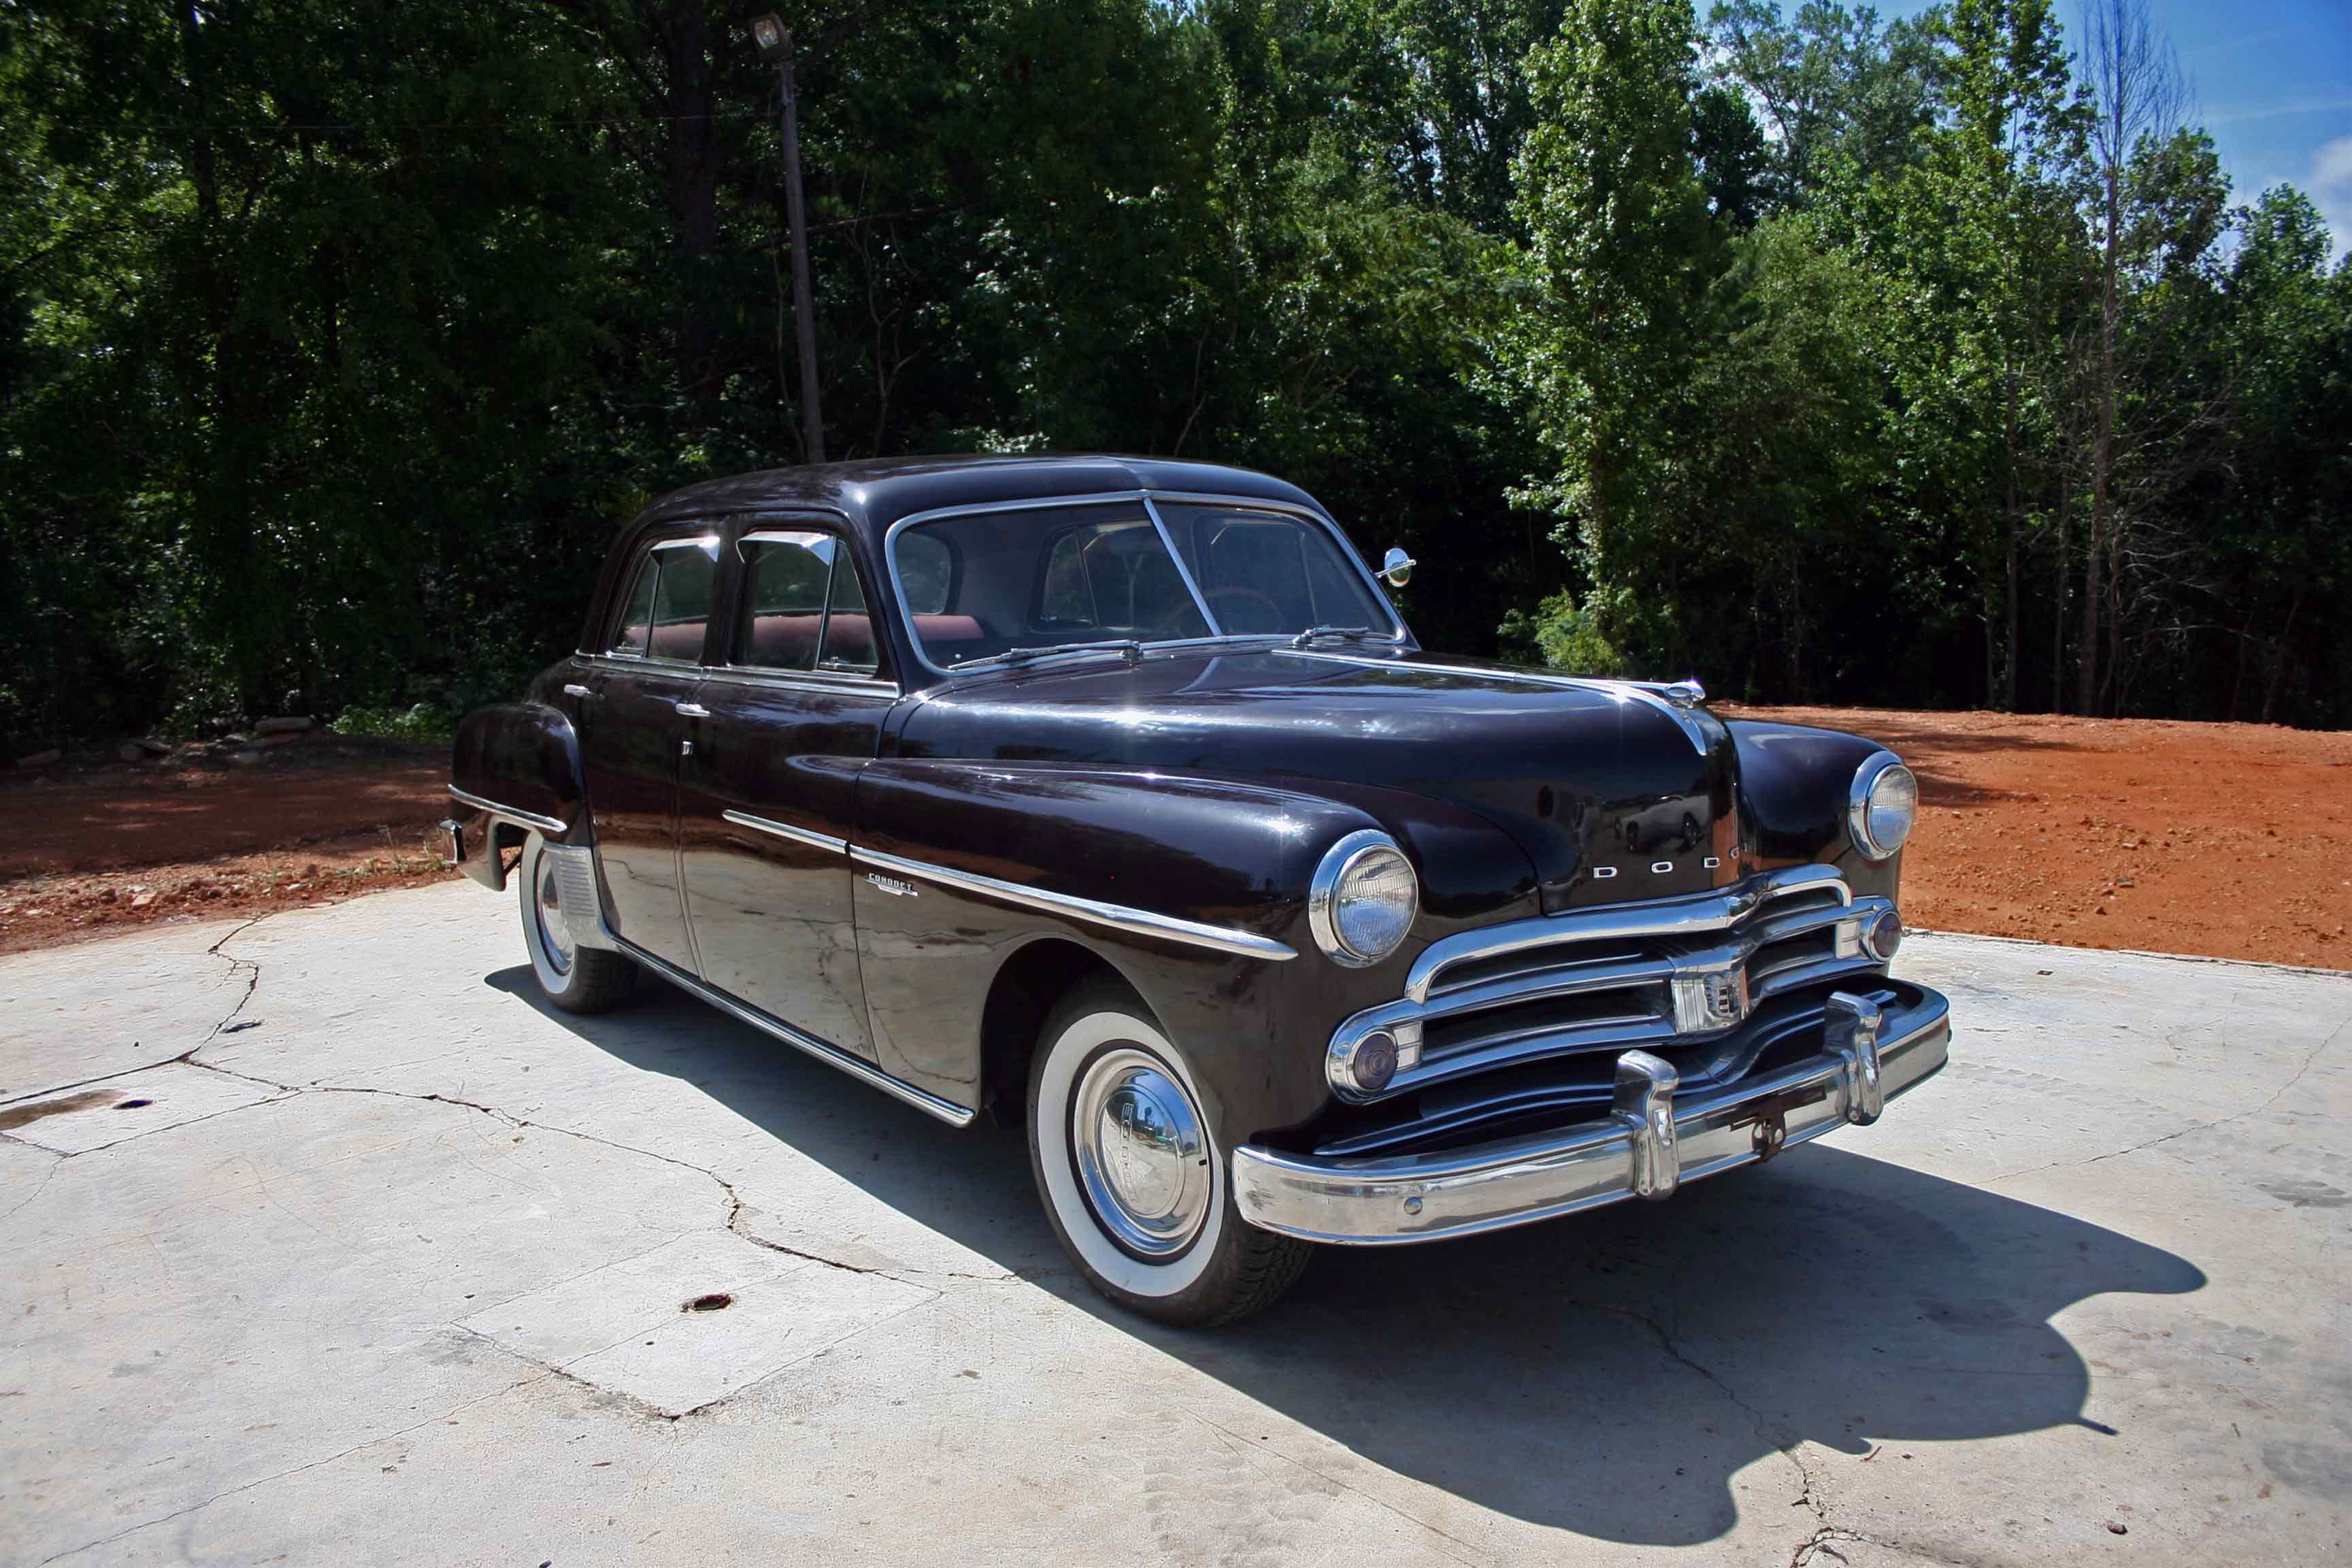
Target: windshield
(994,584)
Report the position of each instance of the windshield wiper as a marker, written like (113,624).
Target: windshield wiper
(1127,647)
(1308,638)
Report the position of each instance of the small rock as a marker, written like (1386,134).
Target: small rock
(2120,881)
(294,724)
(275,738)
(2116,1527)
(153,746)
(40,758)
(131,751)
(243,759)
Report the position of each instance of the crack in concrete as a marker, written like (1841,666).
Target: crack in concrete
(293,1471)
(1787,1445)
(1244,1449)
(1784,1443)
(250,970)
(2277,1094)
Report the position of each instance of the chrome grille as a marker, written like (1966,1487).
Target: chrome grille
(1652,975)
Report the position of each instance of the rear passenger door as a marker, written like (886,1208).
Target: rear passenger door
(797,696)
(638,710)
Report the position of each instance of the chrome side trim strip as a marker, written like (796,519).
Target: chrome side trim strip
(1649,697)
(512,813)
(1116,916)
(793,680)
(785,831)
(865,1071)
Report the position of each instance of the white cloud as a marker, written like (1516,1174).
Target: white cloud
(2331,168)
(2330,184)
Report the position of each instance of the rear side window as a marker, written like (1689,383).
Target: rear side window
(803,606)
(665,615)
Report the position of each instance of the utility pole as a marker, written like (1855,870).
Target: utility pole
(775,41)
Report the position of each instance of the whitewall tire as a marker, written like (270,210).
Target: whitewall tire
(575,979)
(1132,1176)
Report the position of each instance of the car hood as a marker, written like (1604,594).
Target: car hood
(1612,791)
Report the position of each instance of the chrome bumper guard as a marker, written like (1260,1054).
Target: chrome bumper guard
(1648,1145)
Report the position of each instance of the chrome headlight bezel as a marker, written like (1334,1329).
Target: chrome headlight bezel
(1343,859)
(1879,767)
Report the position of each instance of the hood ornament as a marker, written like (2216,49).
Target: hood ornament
(1684,693)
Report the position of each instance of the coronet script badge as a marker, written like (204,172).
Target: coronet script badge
(892,885)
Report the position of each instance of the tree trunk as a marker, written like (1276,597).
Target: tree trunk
(2058,598)
(2094,576)
(690,162)
(2006,698)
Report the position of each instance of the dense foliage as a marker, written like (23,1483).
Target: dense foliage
(1821,359)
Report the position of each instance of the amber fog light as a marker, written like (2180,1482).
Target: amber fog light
(1884,934)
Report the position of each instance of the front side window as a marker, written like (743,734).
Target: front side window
(802,607)
(666,614)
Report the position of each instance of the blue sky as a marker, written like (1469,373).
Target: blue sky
(2271,80)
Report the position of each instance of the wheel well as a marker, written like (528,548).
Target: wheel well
(1023,993)
(505,836)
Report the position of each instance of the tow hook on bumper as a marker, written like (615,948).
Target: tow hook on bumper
(1648,1145)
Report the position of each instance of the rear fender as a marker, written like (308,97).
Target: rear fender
(515,770)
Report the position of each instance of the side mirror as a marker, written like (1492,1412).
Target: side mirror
(1396,568)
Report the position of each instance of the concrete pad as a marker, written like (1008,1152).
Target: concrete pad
(2095,1274)
(634,1327)
(130,1105)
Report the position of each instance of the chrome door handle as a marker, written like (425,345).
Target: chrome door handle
(694,710)
(573,689)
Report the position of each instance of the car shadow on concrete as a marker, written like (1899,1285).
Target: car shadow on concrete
(1607,1374)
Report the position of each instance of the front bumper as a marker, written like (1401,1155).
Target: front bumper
(1647,1146)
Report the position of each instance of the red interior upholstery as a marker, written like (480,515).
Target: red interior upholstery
(934,630)
(789,642)
(680,640)
(782,641)
(849,639)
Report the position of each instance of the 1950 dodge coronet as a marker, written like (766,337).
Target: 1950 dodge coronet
(1112,796)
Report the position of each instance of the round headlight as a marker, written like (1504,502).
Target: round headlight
(1883,804)
(1363,899)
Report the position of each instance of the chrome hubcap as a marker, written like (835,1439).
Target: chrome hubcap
(1142,1155)
(554,932)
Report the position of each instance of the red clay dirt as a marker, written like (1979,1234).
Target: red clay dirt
(89,850)
(2232,840)
(2229,841)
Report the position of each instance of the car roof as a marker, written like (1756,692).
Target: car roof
(877,492)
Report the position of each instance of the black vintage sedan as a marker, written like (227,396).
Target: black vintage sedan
(1112,796)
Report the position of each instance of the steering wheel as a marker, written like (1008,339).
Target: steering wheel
(1274,617)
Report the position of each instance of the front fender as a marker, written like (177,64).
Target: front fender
(1795,783)
(1229,854)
